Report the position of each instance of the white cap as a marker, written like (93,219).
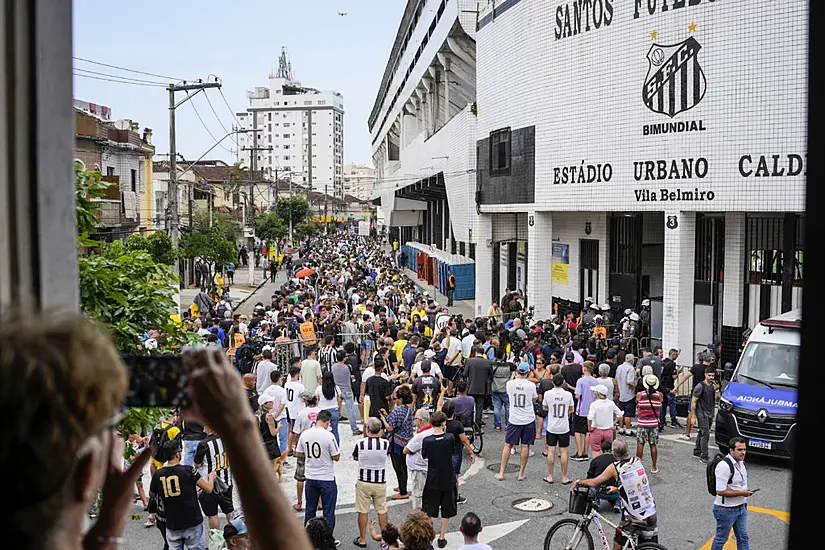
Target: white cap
(634,317)
(628,311)
(429,354)
(600,389)
(605,307)
(267,347)
(645,303)
(588,299)
(594,306)
(598,318)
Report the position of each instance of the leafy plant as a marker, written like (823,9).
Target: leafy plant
(88,187)
(158,245)
(270,227)
(220,222)
(299,208)
(306,229)
(212,247)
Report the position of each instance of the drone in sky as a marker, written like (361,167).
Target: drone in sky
(342,14)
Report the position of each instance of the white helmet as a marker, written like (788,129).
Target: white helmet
(645,303)
(634,317)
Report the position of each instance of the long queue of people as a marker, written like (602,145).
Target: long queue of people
(349,337)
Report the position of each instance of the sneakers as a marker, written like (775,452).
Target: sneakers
(654,471)
(442,543)
(578,458)
(498,430)
(149,523)
(684,437)
(676,425)
(617,508)
(532,452)
(461,499)
(703,459)
(357,432)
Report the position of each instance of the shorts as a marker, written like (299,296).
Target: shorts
(647,435)
(273,450)
(366,344)
(457,459)
(520,434)
(562,440)
(579,424)
(370,493)
(210,502)
(436,501)
(647,532)
(597,436)
(449,372)
(300,470)
(628,408)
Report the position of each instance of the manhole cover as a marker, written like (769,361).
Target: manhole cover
(532,504)
(510,469)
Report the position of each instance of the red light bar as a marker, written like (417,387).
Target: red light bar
(776,323)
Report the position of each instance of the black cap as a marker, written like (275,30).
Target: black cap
(570,356)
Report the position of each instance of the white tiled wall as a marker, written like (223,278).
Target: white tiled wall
(583,93)
(734,289)
(677,318)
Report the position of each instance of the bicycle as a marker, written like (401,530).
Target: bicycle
(475,436)
(581,503)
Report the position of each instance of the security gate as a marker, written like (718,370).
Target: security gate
(625,260)
(589,269)
(773,266)
(709,264)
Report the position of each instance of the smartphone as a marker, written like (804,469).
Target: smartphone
(156,381)
(754,490)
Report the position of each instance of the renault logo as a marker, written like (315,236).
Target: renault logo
(762,415)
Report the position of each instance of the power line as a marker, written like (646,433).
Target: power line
(118,76)
(119,81)
(205,126)
(234,138)
(126,69)
(228,107)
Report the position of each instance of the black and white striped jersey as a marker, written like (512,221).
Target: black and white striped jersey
(326,356)
(371,454)
(212,455)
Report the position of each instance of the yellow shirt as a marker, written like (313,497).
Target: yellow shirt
(398,348)
(421,314)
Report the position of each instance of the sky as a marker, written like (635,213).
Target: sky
(240,42)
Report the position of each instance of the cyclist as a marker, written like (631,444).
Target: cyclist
(638,506)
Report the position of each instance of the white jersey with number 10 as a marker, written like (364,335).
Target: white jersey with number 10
(522,394)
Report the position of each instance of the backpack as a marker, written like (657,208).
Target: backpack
(220,310)
(710,473)
(160,436)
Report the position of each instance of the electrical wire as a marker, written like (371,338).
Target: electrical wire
(220,91)
(127,69)
(119,81)
(234,136)
(204,124)
(118,76)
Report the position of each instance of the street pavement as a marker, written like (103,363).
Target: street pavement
(685,509)
(683,505)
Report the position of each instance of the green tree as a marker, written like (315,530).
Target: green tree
(306,229)
(270,227)
(158,245)
(299,208)
(220,221)
(88,187)
(212,247)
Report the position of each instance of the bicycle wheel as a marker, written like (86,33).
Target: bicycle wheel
(477,442)
(567,534)
(650,546)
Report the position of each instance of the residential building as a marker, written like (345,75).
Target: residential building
(359,181)
(299,131)
(623,156)
(123,157)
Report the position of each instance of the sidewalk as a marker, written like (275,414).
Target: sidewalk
(241,291)
(465,307)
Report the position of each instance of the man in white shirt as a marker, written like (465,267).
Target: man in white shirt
(521,426)
(435,370)
(263,370)
(294,388)
(467,342)
(558,403)
(470,528)
(417,464)
(601,418)
(318,448)
(311,371)
(731,505)
(278,397)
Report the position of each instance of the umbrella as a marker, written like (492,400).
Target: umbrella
(306,272)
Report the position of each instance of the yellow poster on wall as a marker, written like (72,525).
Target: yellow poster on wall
(560,262)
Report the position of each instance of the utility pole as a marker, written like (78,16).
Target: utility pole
(290,210)
(326,190)
(253,161)
(174,222)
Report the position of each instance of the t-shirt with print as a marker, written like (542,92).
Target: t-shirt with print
(558,403)
(586,397)
(176,486)
(426,389)
(318,446)
(293,401)
(306,420)
(325,403)
(522,393)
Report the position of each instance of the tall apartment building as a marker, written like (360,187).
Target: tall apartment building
(359,181)
(300,132)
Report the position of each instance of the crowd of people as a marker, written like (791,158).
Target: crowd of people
(348,337)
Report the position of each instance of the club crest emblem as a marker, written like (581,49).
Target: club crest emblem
(675,80)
